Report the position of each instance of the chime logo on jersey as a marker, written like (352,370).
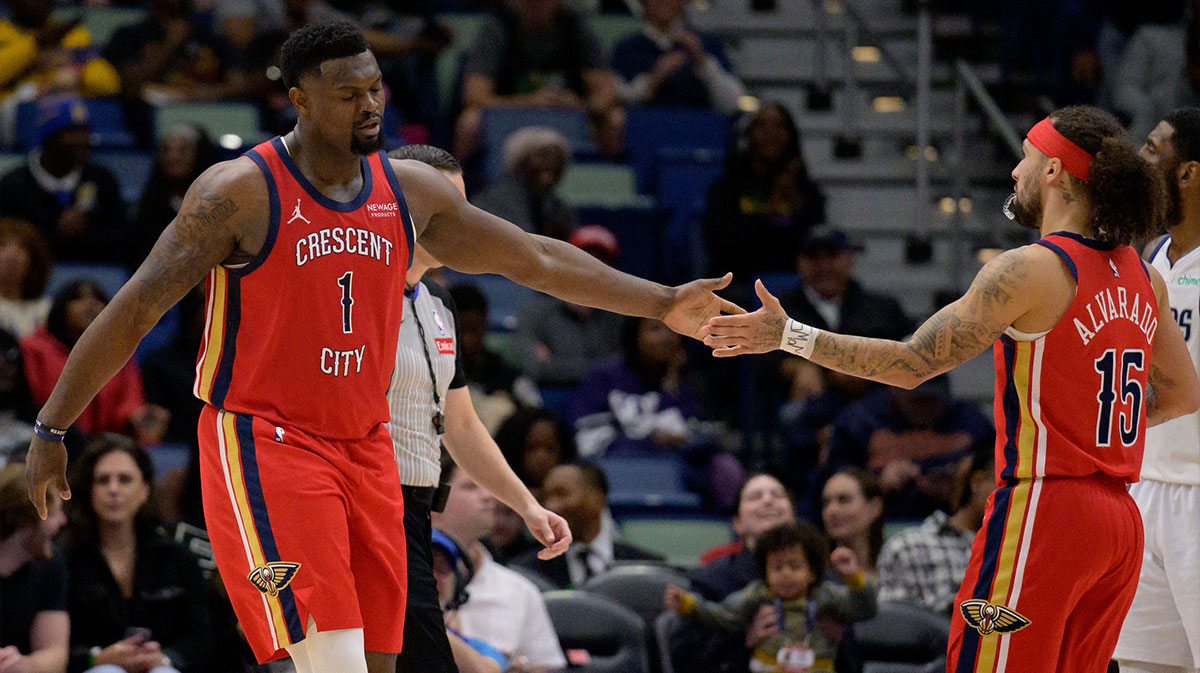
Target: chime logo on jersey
(987,618)
(272,577)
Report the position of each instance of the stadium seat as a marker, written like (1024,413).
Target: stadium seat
(647,482)
(501,122)
(543,585)
(681,539)
(103,22)
(650,130)
(683,178)
(110,277)
(637,586)
(639,231)
(611,29)
(131,169)
(217,119)
(902,633)
(504,297)
(106,119)
(466,28)
(167,458)
(611,635)
(603,185)
(9,161)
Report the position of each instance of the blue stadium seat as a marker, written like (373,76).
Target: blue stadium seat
(647,482)
(505,298)
(167,458)
(106,117)
(649,130)
(110,277)
(500,122)
(683,178)
(639,231)
(132,170)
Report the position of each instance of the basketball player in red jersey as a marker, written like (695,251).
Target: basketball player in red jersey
(1087,356)
(305,242)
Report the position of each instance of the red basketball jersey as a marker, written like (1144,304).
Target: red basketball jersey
(305,334)
(1070,403)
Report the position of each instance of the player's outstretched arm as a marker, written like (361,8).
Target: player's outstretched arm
(1172,387)
(960,331)
(205,232)
(468,239)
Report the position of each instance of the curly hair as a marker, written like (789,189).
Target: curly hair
(1127,195)
(1186,137)
(788,535)
(306,49)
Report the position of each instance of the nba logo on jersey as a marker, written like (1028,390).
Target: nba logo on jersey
(437,320)
(278,434)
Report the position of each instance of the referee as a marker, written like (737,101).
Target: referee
(429,405)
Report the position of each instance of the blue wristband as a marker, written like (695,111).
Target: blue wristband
(48,433)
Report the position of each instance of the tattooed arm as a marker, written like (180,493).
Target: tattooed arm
(1172,388)
(999,295)
(222,206)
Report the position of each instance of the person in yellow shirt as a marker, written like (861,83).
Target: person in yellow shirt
(52,56)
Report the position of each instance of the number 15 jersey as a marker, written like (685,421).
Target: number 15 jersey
(305,334)
(1071,402)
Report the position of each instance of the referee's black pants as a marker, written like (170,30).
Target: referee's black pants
(426,648)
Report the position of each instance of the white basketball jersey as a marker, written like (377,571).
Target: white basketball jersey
(1173,448)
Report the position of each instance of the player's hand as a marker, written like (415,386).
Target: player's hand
(548,528)
(12,661)
(758,332)
(844,562)
(46,465)
(696,302)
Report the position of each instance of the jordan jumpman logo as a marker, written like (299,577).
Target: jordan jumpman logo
(296,215)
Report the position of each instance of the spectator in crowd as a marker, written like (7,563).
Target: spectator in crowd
(24,270)
(75,202)
(41,55)
(924,565)
(33,581)
(534,160)
(829,295)
(852,514)
(184,152)
(509,538)
(763,503)
(137,599)
(643,403)
(669,63)
(17,412)
(168,56)
(452,572)
(912,439)
(578,492)
(815,398)
(534,441)
(497,388)
(121,404)
(791,561)
(502,608)
(1150,77)
(538,53)
(762,206)
(560,341)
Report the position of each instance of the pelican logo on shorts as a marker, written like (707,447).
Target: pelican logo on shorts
(987,618)
(272,577)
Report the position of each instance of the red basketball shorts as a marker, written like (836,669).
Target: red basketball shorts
(1052,573)
(304,527)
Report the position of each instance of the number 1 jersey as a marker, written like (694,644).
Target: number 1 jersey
(305,334)
(1071,402)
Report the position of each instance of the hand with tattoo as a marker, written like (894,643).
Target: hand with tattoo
(758,332)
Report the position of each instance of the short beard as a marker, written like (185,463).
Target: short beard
(1174,214)
(365,147)
(1027,216)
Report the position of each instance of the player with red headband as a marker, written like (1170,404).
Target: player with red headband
(1087,356)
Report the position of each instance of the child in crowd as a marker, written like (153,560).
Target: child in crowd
(812,613)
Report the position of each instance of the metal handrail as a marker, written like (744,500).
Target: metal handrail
(999,121)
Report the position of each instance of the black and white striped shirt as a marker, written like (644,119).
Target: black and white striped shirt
(410,394)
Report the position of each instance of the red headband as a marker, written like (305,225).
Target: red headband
(1074,159)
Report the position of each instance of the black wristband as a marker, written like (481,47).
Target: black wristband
(48,433)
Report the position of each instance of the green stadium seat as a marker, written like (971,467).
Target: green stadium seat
(597,184)
(680,539)
(10,161)
(218,119)
(466,28)
(611,29)
(102,22)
